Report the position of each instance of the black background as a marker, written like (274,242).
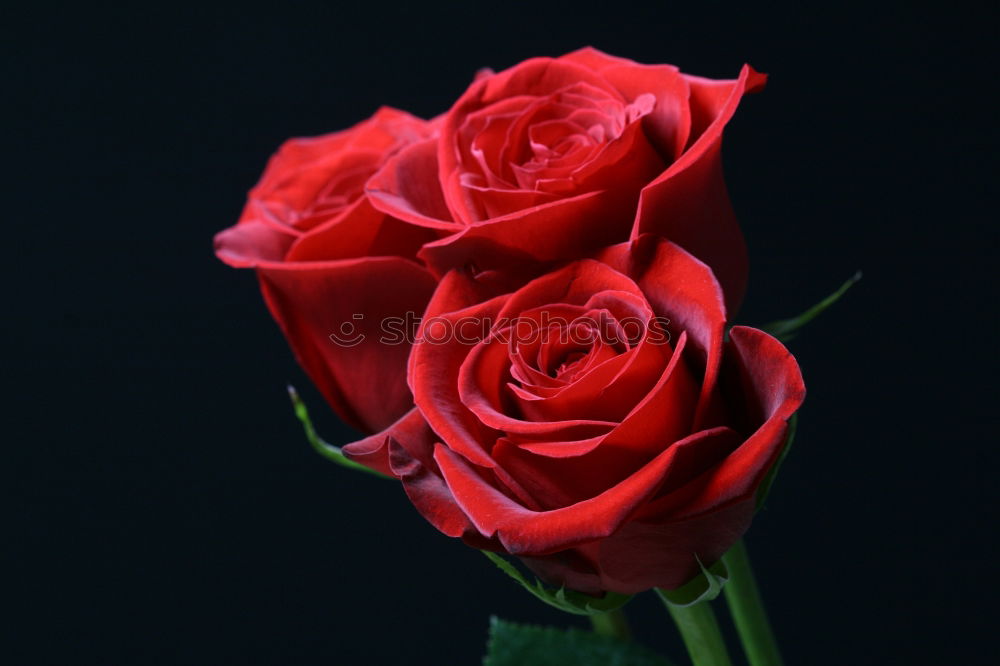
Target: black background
(166,508)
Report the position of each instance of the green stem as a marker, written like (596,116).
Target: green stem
(613,623)
(748,611)
(700,632)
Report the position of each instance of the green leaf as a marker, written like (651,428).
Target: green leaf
(765,485)
(704,587)
(786,329)
(513,644)
(328,451)
(566,600)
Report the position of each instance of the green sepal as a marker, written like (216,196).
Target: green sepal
(512,644)
(704,587)
(564,599)
(786,329)
(328,451)
(765,485)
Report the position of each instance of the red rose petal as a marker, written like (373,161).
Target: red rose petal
(406,187)
(526,532)
(410,431)
(683,289)
(771,380)
(360,231)
(433,373)
(568,228)
(428,493)
(538,76)
(365,382)
(690,196)
(254,242)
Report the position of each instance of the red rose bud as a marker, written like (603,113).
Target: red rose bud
(605,460)
(553,159)
(332,265)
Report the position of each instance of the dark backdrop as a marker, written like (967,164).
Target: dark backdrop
(166,508)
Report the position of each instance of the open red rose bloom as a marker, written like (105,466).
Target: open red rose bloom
(324,255)
(556,158)
(605,462)
(573,397)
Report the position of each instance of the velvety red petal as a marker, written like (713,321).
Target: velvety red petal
(434,366)
(537,76)
(684,290)
(491,202)
(483,133)
(526,532)
(405,450)
(568,568)
(575,284)
(767,376)
(689,203)
(410,431)
(566,229)
(692,208)
(363,378)
(607,392)
(407,187)
(642,556)
(661,417)
(428,493)
(441,370)
(714,101)
(707,515)
(360,231)
(626,164)
(647,553)
(482,401)
(301,166)
(559,482)
(764,387)
(464,288)
(668,126)
(250,243)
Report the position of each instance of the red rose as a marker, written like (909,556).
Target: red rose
(558,423)
(555,158)
(326,257)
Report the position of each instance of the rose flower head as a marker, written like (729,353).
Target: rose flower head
(332,268)
(597,422)
(555,158)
